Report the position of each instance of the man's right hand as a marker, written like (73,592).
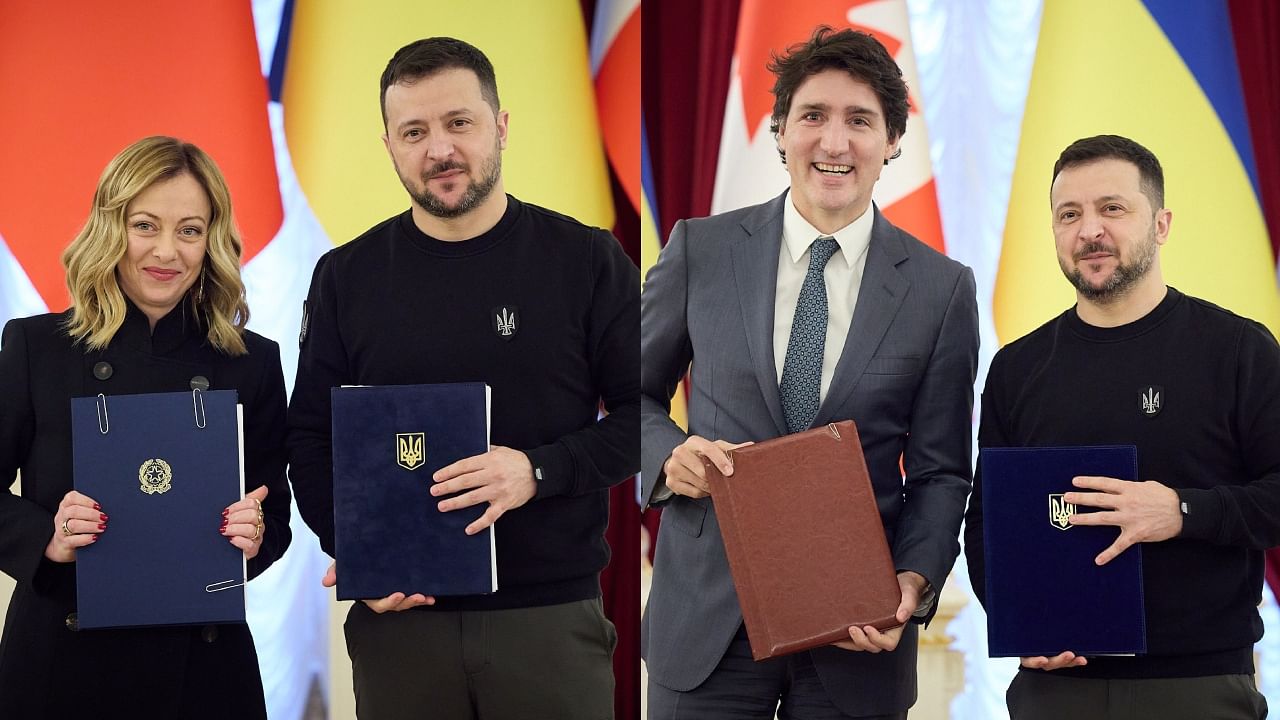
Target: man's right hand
(684,472)
(395,602)
(1066,659)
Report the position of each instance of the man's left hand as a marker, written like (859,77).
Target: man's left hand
(501,477)
(1144,511)
(868,639)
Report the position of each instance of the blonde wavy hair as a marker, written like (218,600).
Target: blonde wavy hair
(218,296)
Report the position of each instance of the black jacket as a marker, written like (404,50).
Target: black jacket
(46,668)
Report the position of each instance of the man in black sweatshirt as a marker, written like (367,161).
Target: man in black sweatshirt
(470,284)
(1197,389)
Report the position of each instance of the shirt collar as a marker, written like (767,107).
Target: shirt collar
(798,234)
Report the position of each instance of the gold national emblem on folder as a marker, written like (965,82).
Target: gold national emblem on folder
(1060,511)
(155,476)
(410,453)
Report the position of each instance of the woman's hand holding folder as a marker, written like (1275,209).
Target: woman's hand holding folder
(76,524)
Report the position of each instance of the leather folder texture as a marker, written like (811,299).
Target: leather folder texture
(164,466)
(389,535)
(1045,594)
(805,543)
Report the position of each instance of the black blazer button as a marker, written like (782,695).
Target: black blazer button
(200,382)
(209,633)
(73,622)
(102,370)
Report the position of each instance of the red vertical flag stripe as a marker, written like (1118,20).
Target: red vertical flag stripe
(81,79)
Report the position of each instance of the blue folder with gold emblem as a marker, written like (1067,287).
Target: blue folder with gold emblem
(163,466)
(390,537)
(1045,594)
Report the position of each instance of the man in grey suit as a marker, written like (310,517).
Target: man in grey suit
(808,309)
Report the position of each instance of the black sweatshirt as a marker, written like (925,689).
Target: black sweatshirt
(396,307)
(1215,441)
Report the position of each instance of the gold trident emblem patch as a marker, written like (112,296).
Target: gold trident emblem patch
(1060,511)
(410,450)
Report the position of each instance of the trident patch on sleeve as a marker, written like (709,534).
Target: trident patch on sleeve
(302,334)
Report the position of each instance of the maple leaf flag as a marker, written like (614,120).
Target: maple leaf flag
(749,171)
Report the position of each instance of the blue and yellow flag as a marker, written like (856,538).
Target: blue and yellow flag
(1163,73)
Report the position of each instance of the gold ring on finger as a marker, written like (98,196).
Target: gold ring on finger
(66,530)
(257,532)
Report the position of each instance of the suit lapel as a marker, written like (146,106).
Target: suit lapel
(879,298)
(755,271)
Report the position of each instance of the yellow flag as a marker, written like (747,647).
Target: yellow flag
(337,52)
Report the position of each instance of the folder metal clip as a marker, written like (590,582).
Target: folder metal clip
(197,411)
(103,422)
(197,408)
(222,585)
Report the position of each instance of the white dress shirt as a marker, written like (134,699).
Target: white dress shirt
(843,278)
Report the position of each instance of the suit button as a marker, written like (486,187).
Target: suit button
(209,633)
(102,370)
(73,622)
(200,382)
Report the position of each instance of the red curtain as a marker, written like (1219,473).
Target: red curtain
(687,51)
(620,581)
(1256,27)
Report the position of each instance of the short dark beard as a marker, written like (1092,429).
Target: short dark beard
(476,193)
(1122,279)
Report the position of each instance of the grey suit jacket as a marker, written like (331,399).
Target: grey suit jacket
(905,377)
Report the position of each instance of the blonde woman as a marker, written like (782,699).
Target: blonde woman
(157,306)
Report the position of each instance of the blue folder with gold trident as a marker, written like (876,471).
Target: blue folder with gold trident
(389,535)
(1045,594)
(163,466)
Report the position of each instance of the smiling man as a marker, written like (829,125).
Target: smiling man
(806,310)
(1197,389)
(472,285)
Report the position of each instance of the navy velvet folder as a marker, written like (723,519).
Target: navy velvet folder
(390,537)
(164,481)
(1045,595)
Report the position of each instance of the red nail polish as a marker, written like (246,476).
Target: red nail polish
(93,539)
(102,517)
(224,513)
(102,526)
(96,506)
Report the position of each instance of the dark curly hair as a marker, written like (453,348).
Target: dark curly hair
(858,54)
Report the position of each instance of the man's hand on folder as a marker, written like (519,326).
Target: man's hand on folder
(76,524)
(684,472)
(1144,511)
(868,639)
(395,602)
(501,477)
(1066,659)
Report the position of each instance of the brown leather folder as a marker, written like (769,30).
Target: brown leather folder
(804,539)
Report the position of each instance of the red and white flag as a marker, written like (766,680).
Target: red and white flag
(749,171)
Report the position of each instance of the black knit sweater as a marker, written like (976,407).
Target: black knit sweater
(1215,440)
(396,306)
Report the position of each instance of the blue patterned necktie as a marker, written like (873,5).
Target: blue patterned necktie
(802,369)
